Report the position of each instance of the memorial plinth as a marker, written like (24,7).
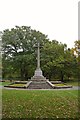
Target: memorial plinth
(38,81)
(38,72)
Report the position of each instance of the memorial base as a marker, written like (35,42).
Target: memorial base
(38,81)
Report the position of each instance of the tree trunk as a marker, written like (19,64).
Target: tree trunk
(62,76)
(22,74)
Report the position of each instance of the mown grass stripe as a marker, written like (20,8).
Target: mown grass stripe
(39,104)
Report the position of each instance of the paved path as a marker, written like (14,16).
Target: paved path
(73,88)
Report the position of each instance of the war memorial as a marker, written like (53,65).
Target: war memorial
(38,81)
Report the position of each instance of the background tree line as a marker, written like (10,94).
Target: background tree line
(19,55)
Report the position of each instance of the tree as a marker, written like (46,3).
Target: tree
(18,51)
(52,55)
(77,54)
(0,56)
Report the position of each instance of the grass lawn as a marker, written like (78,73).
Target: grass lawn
(69,83)
(74,83)
(60,84)
(4,83)
(17,85)
(40,103)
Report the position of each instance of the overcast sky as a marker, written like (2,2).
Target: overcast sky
(56,18)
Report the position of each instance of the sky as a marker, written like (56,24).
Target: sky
(56,18)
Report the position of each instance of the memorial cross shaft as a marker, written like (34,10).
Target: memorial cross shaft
(38,56)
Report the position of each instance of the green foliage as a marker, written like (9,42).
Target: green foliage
(18,51)
(77,50)
(19,55)
(60,62)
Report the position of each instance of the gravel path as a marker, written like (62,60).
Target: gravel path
(73,88)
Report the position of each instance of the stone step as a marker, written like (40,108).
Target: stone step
(39,85)
(36,80)
(38,77)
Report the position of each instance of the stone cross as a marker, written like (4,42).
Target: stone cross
(38,71)
(38,56)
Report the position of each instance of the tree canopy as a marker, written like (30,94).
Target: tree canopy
(19,55)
